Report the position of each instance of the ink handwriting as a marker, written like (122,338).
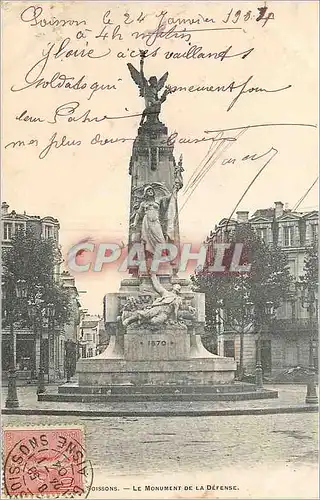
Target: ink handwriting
(219,141)
(229,88)
(62,81)
(33,15)
(57,51)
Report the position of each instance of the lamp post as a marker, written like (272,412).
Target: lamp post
(36,312)
(12,292)
(41,385)
(49,312)
(308,301)
(253,312)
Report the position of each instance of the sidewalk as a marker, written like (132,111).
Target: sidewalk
(291,400)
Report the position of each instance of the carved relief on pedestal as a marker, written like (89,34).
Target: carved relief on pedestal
(168,308)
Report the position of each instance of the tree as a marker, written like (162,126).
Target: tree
(268,281)
(33,261)
(308,285)
(311,267)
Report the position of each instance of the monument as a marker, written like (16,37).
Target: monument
(156,320)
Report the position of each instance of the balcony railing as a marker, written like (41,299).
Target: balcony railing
(278,326)
(293,325)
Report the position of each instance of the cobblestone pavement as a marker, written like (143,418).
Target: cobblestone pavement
(289,395)
(261,454)
(123,445)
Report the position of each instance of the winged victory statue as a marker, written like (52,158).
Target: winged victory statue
(149,90)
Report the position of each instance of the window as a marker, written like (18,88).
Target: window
(7,231)
(90,352)
(228,347)
(314,232)
(48,232)
(262,233)
(89,337)
(288,236)
(292,267)
(18,227)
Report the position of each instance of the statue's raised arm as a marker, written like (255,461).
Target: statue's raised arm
(138,78)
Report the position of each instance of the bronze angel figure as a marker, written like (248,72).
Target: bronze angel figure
(149,90)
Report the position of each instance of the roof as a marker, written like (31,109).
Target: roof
(269,213)
(310,215)
(264,212)
(264,215)
(225,220)
(26,217)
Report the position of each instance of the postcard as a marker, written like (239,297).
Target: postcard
(159,249)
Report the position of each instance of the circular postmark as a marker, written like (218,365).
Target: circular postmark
(46,462)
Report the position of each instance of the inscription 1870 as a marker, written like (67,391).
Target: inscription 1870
(154,343)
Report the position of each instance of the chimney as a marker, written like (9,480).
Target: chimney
(4,208)
(242,217)
(278,205)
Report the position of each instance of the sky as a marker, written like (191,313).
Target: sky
(87,187)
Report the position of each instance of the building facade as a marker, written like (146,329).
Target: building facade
(103,337)
(55,341)
(285,344)
(90,336)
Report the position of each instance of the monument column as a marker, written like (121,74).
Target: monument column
(156,317)
(155,176)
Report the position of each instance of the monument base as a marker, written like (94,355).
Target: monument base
(147,360)
(140,373)
(164,356)
(235,391)
(200,376)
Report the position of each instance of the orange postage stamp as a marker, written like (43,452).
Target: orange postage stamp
(45,461)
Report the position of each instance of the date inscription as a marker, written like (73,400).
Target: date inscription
(154,343)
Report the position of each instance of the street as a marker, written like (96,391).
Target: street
(261,456)
(136,446)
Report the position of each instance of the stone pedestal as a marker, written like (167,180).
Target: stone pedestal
(169,343)
(168,354)
(193,372)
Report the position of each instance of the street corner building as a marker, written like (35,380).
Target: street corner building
(58,345)
(291,339)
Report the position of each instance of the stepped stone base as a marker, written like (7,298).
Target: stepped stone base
(131,393)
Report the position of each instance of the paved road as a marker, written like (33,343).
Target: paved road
(178,444)
(267,456)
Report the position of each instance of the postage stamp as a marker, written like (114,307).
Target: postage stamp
(45,461)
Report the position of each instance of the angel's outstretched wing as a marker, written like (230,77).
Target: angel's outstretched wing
(136,77)
(159,188)
(162,80)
